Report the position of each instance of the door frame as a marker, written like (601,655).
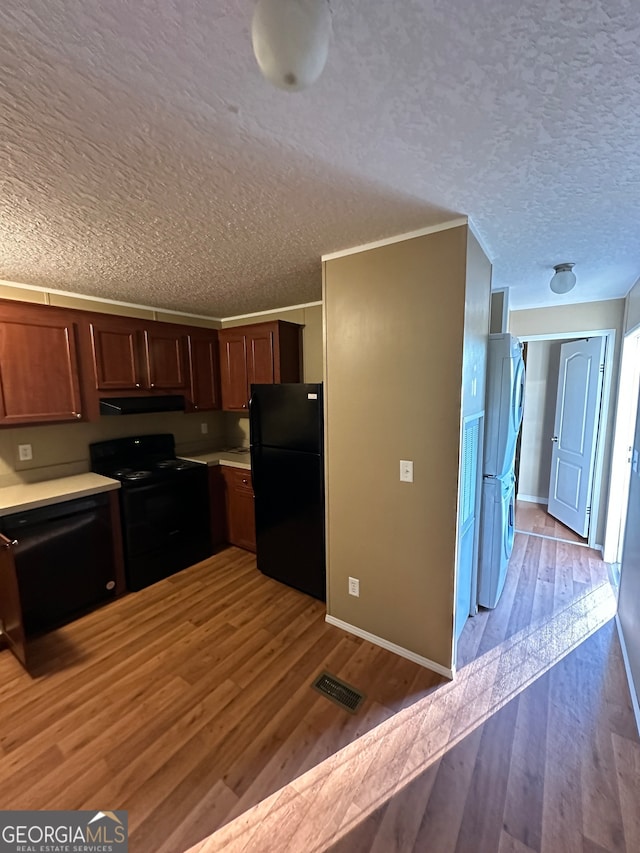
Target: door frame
(609,348)
(623,434)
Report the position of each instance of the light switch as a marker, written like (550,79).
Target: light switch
(406,471)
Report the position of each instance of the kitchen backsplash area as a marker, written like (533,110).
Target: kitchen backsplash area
(236,429)
(62,450)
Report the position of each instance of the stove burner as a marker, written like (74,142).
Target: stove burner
(137,475)
(173,464)
(121,472)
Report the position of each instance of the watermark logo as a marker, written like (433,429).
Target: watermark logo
(63,832)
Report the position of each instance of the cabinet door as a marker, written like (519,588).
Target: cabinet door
(260,355)
(233,370)
(39,379)
(10,607)
(166,358)
(204,370)
(114,345)
(241,521)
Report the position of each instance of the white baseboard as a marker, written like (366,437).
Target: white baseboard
(391,647)
(532,499)
(632,688)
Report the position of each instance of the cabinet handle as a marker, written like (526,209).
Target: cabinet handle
(244,405)
(111,584)
(245,481)
(78,414)
(10,543)
(196,408)
(152,385)
(137,384)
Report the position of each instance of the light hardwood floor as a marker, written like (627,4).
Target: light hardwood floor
(534,518)
(189,705)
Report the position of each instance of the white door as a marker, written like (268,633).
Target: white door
(575,432)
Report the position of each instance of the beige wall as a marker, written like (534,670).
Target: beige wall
(582,317)
(394,326)
(60,450)
(13,290)
(632,318)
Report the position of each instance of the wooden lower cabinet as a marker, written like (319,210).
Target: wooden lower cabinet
(11,625)
(239,504)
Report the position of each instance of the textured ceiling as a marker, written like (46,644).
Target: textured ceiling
(144,158)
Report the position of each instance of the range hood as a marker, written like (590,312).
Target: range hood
(141,405)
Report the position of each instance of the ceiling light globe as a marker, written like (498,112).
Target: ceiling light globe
(564,278)
(291,41)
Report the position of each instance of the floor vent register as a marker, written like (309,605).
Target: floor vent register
(340,692)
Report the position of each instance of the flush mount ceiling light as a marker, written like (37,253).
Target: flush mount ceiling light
(564,278)
(291,41)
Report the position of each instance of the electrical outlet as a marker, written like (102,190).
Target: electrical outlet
(406,471)
(204,428)
(25,452)
(354,587)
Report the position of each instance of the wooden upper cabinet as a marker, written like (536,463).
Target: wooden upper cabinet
(39,372)
(204,370)
(114,342)
(133,355)
(233,370)
(260,356)
(166,358)
(263,353)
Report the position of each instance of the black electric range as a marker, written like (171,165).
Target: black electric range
(164,505)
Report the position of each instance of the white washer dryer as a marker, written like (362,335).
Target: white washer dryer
(504,404)
(497,518)
(503,416)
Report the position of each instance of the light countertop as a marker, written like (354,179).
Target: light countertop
(33,495)
(229,458)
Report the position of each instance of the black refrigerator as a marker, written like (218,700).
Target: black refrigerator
(287,469)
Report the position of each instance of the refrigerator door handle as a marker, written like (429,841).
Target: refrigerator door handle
(253,451)
(254,421)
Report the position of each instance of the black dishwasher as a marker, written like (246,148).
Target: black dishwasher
(64,559)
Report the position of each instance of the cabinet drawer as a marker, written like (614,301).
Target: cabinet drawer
(238,478)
